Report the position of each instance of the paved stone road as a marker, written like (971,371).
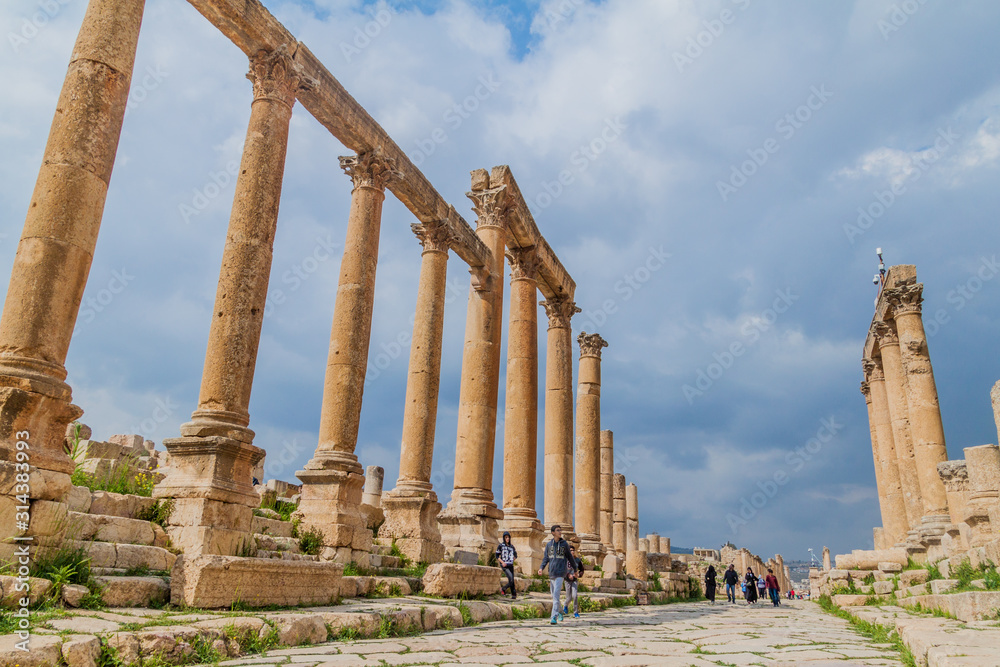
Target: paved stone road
(673,635)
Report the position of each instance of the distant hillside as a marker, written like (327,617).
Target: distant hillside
(681,550)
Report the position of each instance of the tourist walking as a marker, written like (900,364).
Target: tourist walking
(761,587)
(556,558)
(773,589)
(506,554)
(710,584)
(750,586)
(573,573)
(732,577)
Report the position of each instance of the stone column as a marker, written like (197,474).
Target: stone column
(631,518)
(827,566)
(607,491)
(332,480)
(412,508)
(211,463)
(52,264)
(588,447)
(922,401)
(644,544)
(983,464)
(372,494)
(559,417)
(894,515)
(895,390)
(520,441)
(618,515)
(665,545)
(955,476)
(879,479)
(469,522)
(653,543)
(995,400)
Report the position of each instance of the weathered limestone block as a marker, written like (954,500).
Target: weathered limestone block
(133,591)
(10,596)
(119,504)
(72,594)
(886,566)
(453,579)
(81,650)
(637,565)
(104,528)
(130,441)
(219,581)
(136,555)
(44,651)
(273,527)
(442,616)
(296,629)
(883,587)
(912,577)
(644,544)
(79,499)
(365,624)
(659,562)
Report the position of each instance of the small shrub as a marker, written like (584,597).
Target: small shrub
(933,572)
(466,613)
(525,612)
(404,560)
(137,571)
(159,513)
(65,566)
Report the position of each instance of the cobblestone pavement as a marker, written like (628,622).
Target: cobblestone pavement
(678,635)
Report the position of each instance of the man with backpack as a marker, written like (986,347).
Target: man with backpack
(556,558)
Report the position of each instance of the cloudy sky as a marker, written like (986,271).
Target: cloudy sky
(720,156)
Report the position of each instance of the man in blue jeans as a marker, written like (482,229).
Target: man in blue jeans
(731,578)
(556,558)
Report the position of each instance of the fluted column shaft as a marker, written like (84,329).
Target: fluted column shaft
(520,442)
(559,415)
(588,436)
(922,399)
(895,390)
(631,518)
(60,234)
(618,513)
(894,510)
(607,488)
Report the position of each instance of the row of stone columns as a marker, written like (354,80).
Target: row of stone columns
(905,418)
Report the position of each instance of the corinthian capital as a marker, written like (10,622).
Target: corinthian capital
(560,310)
(867,366)
(885,333)
(591,344)
(491,207)
(866,390)
(370,169)
(906,299)
(433,235)
(524,263)
(275,76)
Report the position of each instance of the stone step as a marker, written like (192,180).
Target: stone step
(272,527)
(134,591)
(285,555)
(120,530)
(272,543)
(381,561)
(126,556)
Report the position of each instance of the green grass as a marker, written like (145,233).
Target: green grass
(879,634)
(159,513)
(933,572)
(311,541)
(404,560)
(282,507)
(525,612)
(466,613)
(124,477)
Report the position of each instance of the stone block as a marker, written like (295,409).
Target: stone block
(79,499)
(48,517)
(296,629)
(72,594)
(133,591)
(11,593)
(838,575)
(273,527)
(120,504)
(883,587)
(913,577)
(81,650)
(137,555)
(636,565)
(442,616)
(219,581)
(104,528)
(452,579)
(939,586)
(849,600)
(392,586)
(365,624)
(130,441)
(43,651)
(465,557)
(214,513)
(887,566)
(659,562)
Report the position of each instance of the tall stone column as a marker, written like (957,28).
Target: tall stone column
(211,464)
(827,565)
(618,515)
(879,481)
(588,447)
(469,521)
(895,390)
(332,480)
(922,401)
(520,441)
(955,476)
(559,417)
(631,518)
(894,513)
(52,264)
(983,466)
(607,488)
(412,508)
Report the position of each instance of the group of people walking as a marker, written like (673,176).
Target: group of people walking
(564,567)
(752,586)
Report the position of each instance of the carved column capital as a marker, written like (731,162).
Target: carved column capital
(433,236)
(524,263)
(275,76)
(591,344)
(370,169)
(878,375)
(867,366)
(866,390)
(955,475)
(906,299)
(885,333)
(491,207)
(560,310)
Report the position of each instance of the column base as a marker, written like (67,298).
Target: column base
(39,414)
(528,537)
(981,528)
(470,523)
(612,564)
(592,549)
(411,522)
(331,502)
